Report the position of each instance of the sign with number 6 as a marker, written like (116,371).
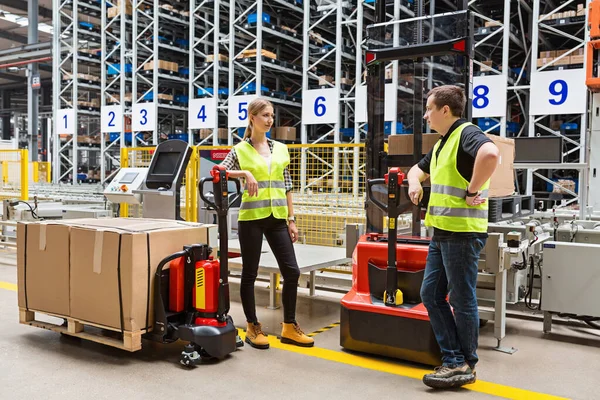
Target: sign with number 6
(112,119)
(558,92)
(489,96)
(320,106)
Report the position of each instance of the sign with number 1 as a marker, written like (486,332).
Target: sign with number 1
(558,92)
(65,121)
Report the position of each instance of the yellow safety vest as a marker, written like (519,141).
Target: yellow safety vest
(271,197)
(448,209)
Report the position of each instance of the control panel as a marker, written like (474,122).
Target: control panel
(121,188)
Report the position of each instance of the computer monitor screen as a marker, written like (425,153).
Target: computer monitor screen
(129,177)
(166,163)
(542,149)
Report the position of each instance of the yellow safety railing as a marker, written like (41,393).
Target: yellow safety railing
(15,174)
(329,185)
(41,171)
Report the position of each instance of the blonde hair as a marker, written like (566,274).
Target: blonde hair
(255,107)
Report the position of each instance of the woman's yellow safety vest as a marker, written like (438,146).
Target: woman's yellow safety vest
(271,197)
(448,209)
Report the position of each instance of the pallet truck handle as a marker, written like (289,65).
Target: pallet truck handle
(215,178)
(376,182)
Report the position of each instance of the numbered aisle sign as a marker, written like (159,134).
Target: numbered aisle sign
(320,106)
(112,119)
(489,96)
(65,123)
(238,110)
(143,117)
(203,113)
(391,102)
(361,104)
(558,92)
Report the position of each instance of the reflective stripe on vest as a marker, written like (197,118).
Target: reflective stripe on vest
(271,198)
(448,209)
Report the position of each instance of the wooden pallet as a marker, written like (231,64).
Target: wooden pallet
(131,341)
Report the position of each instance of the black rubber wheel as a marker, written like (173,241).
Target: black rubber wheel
(483,322)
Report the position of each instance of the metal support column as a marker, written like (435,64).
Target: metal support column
(33,98)
(6,118)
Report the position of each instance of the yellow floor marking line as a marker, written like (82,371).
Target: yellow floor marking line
(324,329)
(389,367)
(403,370)
(8,286)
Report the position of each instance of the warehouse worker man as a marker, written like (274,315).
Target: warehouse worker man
(460,166)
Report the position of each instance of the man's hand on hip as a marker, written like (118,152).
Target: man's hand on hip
(475,200)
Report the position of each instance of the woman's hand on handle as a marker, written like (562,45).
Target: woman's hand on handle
(251,184)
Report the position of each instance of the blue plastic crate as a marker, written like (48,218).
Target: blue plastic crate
(184,70)
(182,42)
(179,136)
(242,131)
(180,98)
(569,126)
(86,24)
(148,96)
(265,17)
(486,123)
(114,69)
(251,87)
(550,187)
(347,132)
(512,127)
(210,91)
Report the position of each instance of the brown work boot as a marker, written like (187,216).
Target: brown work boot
(292,334)
(255,337)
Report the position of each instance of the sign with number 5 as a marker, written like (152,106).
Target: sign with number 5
(238,111)
(320,106)
(489,96)
(558,92)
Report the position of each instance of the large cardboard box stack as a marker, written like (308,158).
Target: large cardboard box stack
(403,144)
(285,133)
(502,182)
(98,271)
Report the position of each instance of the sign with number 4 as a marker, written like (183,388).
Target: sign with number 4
(202,113)
(558,92)
(320,106)
(112,119)
(143,117)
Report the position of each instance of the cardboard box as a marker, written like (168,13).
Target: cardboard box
(103,268)
(577,59)
(324,79)
(43,267)
(114,11)
(548,54)
(252,53)
(223,133)
(389,73)
(220,57)
(403,144)
(165,65)
(285,133)
(502,182)
(492,23)
(561,52)
(543,61)
(563,61)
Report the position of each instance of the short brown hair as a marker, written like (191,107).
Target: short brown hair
(451,96)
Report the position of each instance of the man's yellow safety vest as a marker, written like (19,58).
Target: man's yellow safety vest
(448,209)
(271,197)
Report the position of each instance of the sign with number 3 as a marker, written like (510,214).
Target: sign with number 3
(558,92)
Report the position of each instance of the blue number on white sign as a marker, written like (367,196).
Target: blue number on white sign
(144,113)
(65,118)
(480,100)
(242,110)
(563,92)
(202,113)
(320,108)
(111,114)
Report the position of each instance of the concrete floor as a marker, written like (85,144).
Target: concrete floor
(36,363)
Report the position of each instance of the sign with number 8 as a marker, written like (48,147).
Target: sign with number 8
(489,96)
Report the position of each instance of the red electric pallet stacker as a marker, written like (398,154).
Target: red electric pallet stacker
(383,314)
(191,297)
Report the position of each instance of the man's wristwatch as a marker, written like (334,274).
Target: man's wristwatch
(292,219)
(469,194)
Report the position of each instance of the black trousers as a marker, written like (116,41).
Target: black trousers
(251,238)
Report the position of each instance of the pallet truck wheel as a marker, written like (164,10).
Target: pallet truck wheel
(483,322)
(239,342)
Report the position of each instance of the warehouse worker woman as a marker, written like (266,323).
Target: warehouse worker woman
(460,166)
(266,209)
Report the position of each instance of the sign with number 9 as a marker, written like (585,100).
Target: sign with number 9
(558,92)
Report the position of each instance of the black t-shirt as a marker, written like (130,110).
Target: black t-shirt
(471,140)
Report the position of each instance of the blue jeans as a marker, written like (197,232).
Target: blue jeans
(452,269)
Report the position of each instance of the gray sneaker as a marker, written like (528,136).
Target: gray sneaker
(445,377)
